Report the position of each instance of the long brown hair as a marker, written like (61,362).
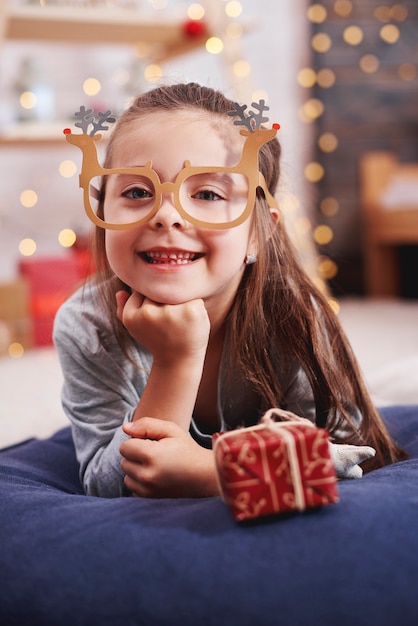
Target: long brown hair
(277,308)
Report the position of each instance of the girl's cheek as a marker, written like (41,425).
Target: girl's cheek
(116,248)
(116,241)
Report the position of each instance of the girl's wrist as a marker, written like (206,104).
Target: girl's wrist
(188,362)
(209,481)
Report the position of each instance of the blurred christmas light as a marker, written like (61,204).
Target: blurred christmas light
(28,198)
(67,238)
(153,73)
(241,68)
(326,78)
(328,142)
(317,13)
(195,11)
(343,8)
(353,35)
(329,206)
(321,42)
(390,33)
(382,13)
(306,77)
(335,305)
(28,100)
(369,63)
(327,268)
(15,350)
(233,9)
(314,172)
(91,86)
(323,234)
(67,168)
(27,247)
(407,71)
(311,110)
(399,12)
(214,45)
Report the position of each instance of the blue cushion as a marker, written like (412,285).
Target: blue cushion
(70,559)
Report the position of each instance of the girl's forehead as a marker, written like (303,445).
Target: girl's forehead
(195,134)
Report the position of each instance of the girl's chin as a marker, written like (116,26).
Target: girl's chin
(163,297)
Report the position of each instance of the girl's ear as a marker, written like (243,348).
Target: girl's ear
(275,214)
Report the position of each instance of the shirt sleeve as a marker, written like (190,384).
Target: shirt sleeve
(101,391)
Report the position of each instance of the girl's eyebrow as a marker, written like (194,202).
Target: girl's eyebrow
(227,179)
(129,172)
(219,176)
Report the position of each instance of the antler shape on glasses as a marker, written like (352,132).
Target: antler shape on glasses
(86,142)
(252,121)
(97,120)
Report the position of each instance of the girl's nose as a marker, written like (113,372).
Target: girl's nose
(167,215)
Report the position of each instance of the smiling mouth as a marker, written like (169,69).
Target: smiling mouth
(170,258)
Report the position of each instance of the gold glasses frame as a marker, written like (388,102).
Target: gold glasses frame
(247,166)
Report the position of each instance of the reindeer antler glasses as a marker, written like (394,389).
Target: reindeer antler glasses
(208,197)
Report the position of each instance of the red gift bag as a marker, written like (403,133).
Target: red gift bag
(275,467)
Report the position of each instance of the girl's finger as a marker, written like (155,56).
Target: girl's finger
(121,299)
(151,428)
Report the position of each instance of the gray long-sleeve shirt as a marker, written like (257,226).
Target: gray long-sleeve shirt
(102,389)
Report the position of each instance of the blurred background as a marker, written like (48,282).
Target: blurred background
(340,76)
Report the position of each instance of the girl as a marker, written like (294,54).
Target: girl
(199,318)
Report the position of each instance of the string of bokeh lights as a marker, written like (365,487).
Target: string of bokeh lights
(389,19)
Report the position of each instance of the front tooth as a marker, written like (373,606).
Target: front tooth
(173,256)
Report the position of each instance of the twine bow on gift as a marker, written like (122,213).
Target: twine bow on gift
(345,457)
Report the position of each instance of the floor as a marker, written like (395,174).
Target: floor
(384,336)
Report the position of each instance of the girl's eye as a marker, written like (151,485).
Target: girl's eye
(137,193)
(208,195)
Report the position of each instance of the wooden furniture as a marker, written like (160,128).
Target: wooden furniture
(386,228)
(15,321)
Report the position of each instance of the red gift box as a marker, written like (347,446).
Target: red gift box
(275,467)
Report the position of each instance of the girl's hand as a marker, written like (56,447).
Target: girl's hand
(170,332)
(177,337)
(161,460)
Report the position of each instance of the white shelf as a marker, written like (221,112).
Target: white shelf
(34,132)
(40,133)
(99,25)
(166,38)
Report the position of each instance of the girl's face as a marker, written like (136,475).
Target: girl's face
(167,259)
